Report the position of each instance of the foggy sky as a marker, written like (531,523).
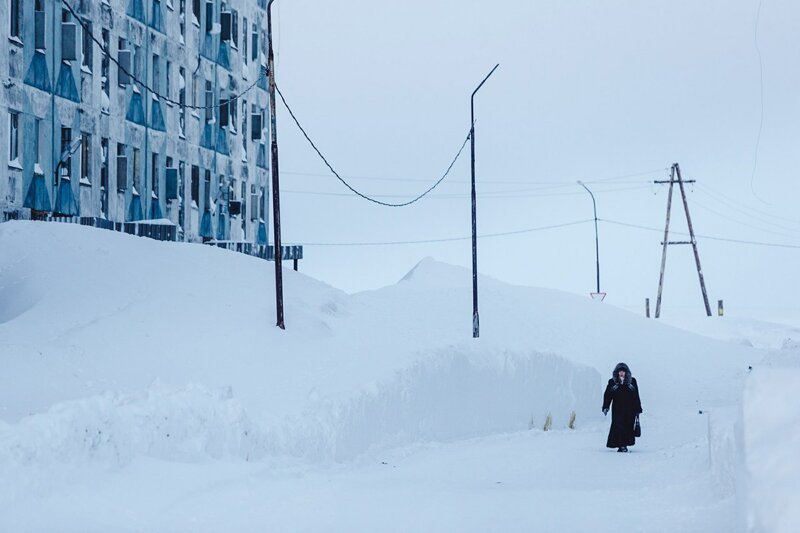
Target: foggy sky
(592,90)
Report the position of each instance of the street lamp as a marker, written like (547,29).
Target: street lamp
(475,319)
(276,198)
(596,239)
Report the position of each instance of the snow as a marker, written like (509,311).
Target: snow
(148,389)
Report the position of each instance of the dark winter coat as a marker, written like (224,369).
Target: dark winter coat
(623,399)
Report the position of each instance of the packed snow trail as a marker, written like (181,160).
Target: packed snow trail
(528,481)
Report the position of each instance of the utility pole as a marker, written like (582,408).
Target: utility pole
(675,177)
(596,239)
(475,318)
(276,198)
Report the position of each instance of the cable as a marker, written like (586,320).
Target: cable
(144,85)
(711,237)
(487,195)
(761,92)
(742,207)
(567,182)
(449,239)
(745,224)
(386,204)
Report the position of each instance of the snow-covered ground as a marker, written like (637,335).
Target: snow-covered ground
(145,388)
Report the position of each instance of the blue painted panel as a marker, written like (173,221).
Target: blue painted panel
(261,160)
(136,110)
(157,116)
(66,87)
(261,237)
(38,75)
(224,55)
(221,227)
(207,140)
(205,225)
(65,200)
(155,209)
(37,197)
(222,142)
(135,210)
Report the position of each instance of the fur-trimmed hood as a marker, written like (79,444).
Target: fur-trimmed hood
(628,376)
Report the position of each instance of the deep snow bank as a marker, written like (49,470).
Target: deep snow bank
(442,397)
(771,428)
(92,318)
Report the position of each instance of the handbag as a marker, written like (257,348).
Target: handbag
(637,429)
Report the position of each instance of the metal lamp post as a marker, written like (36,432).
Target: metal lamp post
(596,237)
(475,318)
(276,199)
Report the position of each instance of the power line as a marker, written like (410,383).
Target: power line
(742,207)
(792,232)
(364,196)
(555,184)
(487,195)
(449,239)
(145,85)
(711,237)
(761,98)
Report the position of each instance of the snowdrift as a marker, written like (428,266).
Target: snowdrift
(118,346)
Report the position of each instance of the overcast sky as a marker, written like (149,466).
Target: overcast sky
(611,92)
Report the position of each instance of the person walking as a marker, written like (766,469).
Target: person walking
(622,396)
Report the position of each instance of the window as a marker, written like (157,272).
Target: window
(244,130)
(167,91)
(16,19)
(208,188)
(209,16)
(244,40)
(66,141)
(182,19)
(156,83)
(124,67)
(13,138)
(182,101)
(65,15)
(263,203)
(37,144)
(235,28)
(88,46)
(122,168)
(195,185)
(196,12)
(104,63)
(104,177)
(209,102)
(137,173)
(39,25)
(86,160)
(254,54)
(137,62)
(154,174)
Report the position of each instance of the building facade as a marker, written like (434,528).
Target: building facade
(164,116)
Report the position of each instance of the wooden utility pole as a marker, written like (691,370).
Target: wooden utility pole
(675,177)
(276,195)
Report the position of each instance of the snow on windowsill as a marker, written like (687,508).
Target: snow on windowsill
(14,163)
(15,40)
(136,90)
(86,70)
(153,195)
(85,181)
(37,169)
